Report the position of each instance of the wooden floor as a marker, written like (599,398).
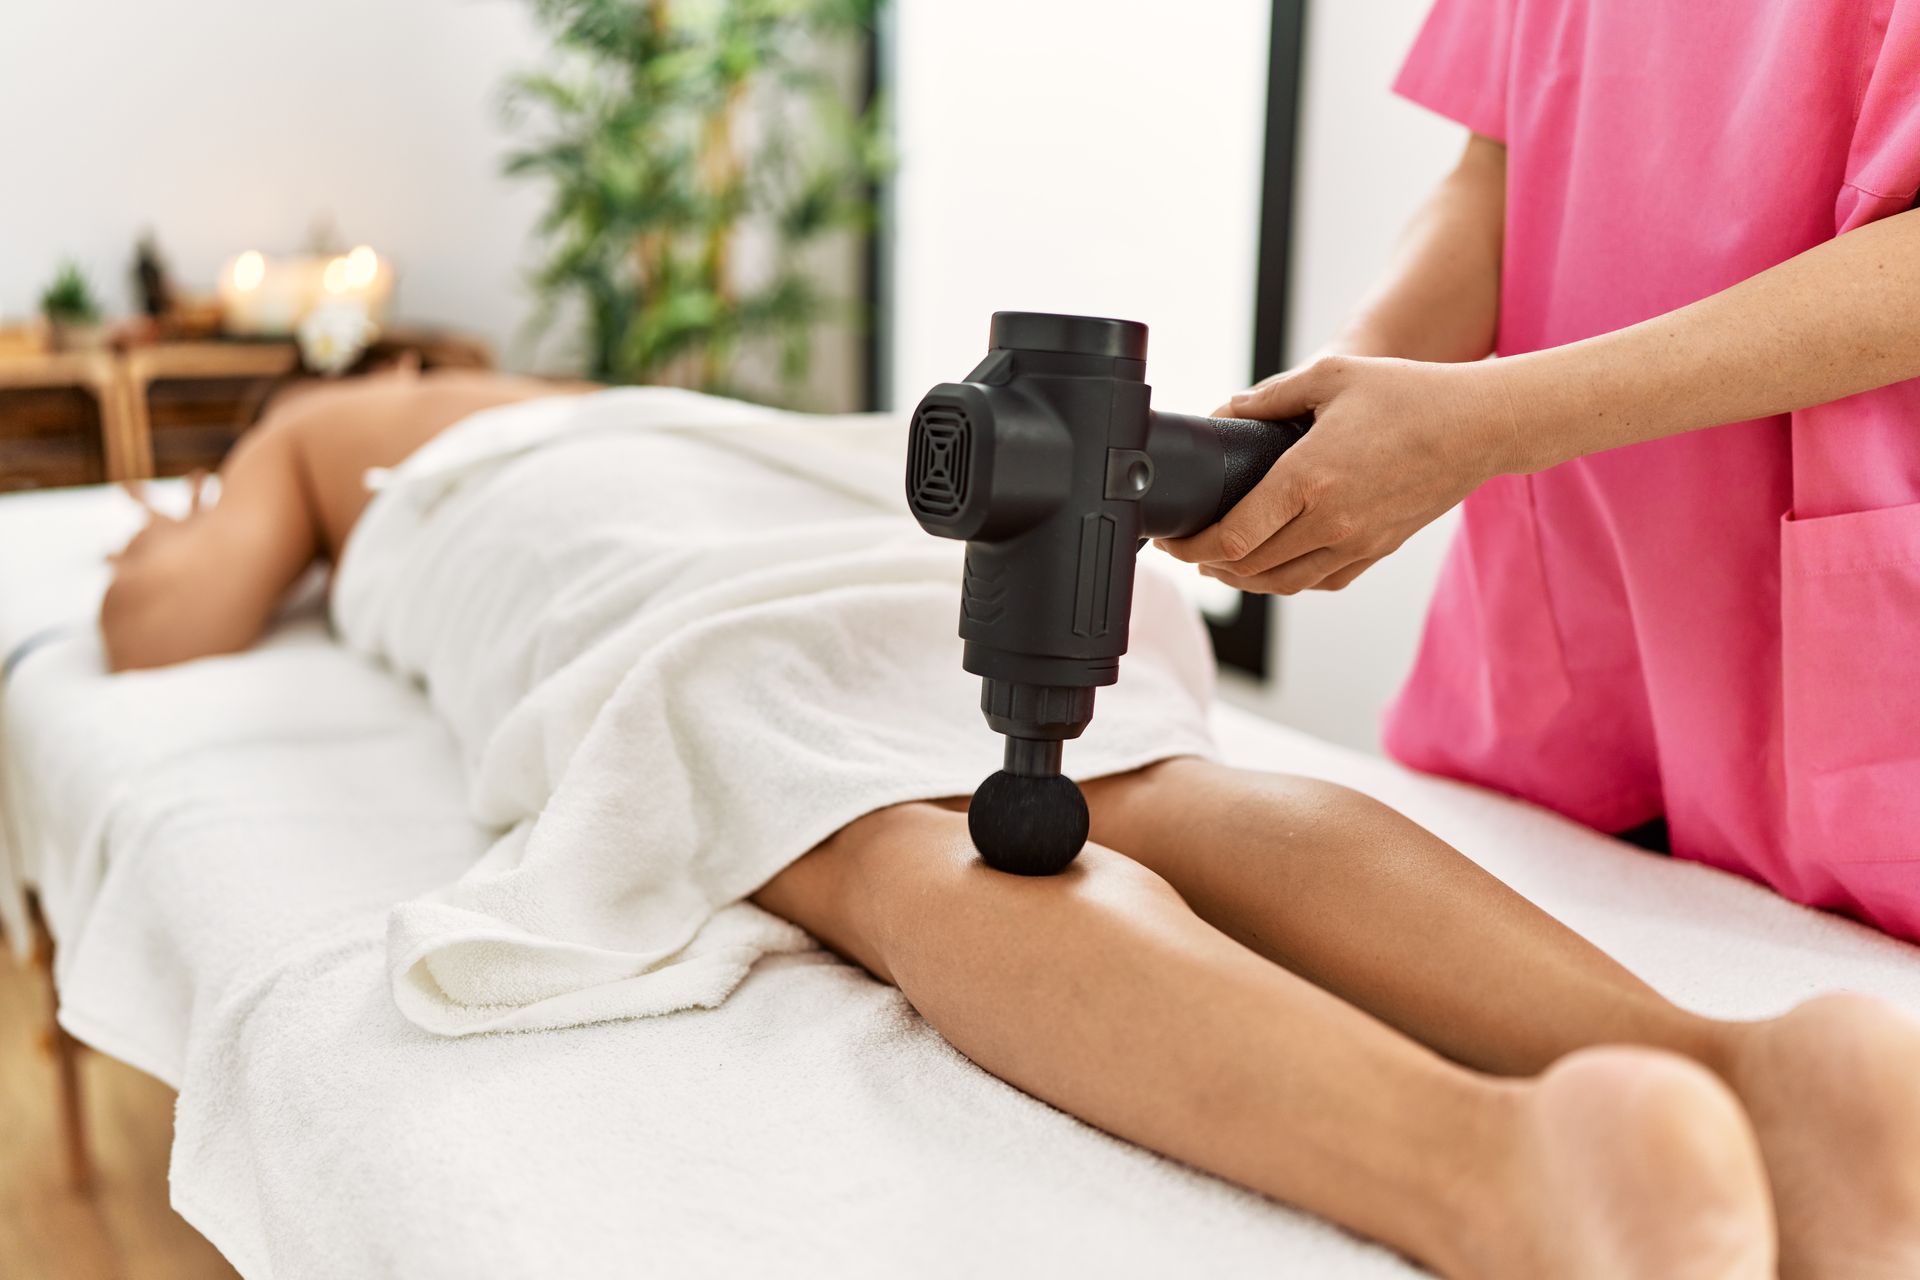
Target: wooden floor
(123,1229)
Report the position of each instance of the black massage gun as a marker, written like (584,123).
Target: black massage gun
(1049,463)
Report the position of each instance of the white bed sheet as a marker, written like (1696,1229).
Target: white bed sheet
(216,846)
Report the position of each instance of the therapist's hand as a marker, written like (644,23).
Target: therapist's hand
(1394,444)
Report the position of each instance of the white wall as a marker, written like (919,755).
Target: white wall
(229,124)
(1367,160)
(1090,156)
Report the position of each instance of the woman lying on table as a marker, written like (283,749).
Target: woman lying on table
(1272,978)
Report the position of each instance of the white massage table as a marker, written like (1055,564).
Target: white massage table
(215,846)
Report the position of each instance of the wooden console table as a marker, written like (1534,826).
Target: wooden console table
(119,382)
(94,372)
(141,367)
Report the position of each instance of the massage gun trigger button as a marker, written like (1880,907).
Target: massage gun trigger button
(1129,475)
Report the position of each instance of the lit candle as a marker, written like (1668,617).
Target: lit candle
(265,297)
(361,276)
(262,295)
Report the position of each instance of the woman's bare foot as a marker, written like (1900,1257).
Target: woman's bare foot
(1632,1165)
(1833,1090)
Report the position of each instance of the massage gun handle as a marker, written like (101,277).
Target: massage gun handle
(1250,449)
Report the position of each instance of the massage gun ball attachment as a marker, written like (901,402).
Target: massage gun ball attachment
(1050,464)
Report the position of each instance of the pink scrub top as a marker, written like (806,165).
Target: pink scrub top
(1722,628)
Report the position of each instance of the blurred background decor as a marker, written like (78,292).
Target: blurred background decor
(269,296)
(690,156)
(169,388)
(72,314)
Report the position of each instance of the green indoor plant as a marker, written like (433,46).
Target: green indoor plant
(668,132)
(72,313)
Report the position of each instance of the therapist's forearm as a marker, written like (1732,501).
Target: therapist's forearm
(1439,297)
(1841,318)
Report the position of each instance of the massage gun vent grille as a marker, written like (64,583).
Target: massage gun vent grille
(942,440)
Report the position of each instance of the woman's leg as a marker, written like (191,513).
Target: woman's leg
(1366,904)
(1100,991)
(1369,905)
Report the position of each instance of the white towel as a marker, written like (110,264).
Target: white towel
(681,641)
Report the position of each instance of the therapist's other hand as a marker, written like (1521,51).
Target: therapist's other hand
(1394,444)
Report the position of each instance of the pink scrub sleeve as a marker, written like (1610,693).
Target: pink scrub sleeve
(1883,167)
(1458,64)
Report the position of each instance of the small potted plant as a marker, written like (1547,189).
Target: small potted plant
(73,315)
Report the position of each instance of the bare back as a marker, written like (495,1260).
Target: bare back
(338,433)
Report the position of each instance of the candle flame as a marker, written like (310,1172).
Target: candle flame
(363,264)
(336,277)
(249,269)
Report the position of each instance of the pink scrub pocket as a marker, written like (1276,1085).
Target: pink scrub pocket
(1523,663)
(1850,616)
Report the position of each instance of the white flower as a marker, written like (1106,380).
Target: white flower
(334,334)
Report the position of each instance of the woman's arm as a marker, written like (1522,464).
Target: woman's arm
(1841,318)
(1439,297)
(1397,442)
(211,583)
